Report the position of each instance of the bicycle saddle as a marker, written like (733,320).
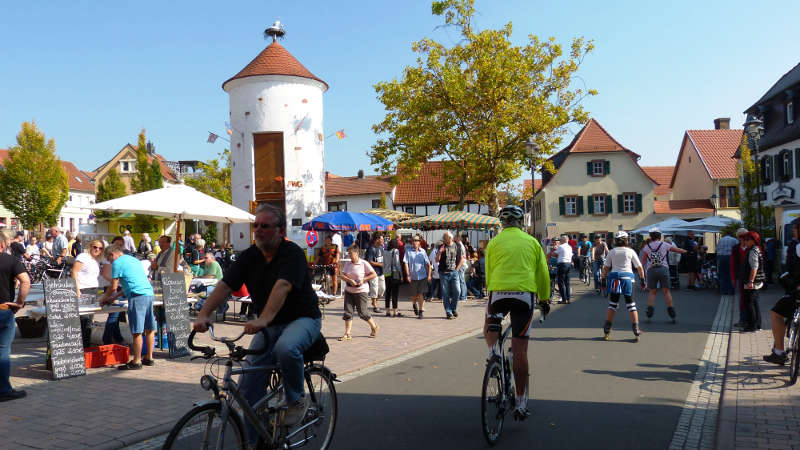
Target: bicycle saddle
(317,351)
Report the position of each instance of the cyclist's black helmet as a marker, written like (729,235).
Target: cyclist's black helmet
(511,216)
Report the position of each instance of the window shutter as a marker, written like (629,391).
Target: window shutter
(766,169)
(638,203)
(562,207)
(789,167)
(579,201)
(620,204)
(608,204)
(589,168)
(776,167)
(590,203)
(797,162)
(607,167)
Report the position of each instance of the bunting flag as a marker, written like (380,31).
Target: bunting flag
(228,129)
(340,134)
(211,137)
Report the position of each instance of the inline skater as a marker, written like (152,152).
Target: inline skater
(618,271)
(516,273)
(656,254)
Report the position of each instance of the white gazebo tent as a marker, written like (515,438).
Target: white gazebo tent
(668,226)
(713,224)
(178,202)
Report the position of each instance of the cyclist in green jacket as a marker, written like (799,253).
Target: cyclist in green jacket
(516,273)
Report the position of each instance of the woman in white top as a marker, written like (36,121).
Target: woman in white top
(32,248)
(618,269)
(85,271)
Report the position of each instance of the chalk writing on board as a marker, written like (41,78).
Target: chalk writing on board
(64,327)
(173,289)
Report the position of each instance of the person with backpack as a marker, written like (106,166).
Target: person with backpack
(753,275)
(656,258)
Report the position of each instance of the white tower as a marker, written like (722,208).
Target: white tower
(277,144)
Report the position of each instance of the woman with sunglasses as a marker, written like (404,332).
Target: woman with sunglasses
(85,271)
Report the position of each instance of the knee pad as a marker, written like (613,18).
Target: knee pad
(671,311)
(612,305)
(631,306)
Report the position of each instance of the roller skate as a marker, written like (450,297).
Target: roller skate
(671,312)
(649,313)
(607,330)
(636,331)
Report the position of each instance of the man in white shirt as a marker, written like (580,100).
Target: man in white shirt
(564,253)
(127,240)
(337,239)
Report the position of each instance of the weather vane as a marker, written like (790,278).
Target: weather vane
(276,30)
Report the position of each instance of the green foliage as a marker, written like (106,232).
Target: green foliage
(33,183)
(148,177)
(210,234)
(382,203)
(111,187)
(476,103)
(214,177)
(748,194)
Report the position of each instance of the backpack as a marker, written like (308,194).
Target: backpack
(655,258)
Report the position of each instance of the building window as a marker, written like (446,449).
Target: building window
(728,197)
(71,224)
(599,201)
(597,168)
(62,222)
(629,203)
(789,112)
(126,166)
(80,221)
(376,203)
(409,209)
(538,210)
(571,206)
(2,220)
(337,206)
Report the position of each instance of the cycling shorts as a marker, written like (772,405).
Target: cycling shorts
(519,304)
(785,306)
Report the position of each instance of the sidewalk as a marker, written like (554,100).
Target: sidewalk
(758,408)
(109,408)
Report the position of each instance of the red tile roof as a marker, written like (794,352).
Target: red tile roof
(78,181)
(716,148)
(369,184)
(683,207)
(662,176)
(166,172)
(526,185)
(426,189)
(594,138)
(275,60)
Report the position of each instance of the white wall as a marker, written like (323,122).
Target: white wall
(358,203)
(78,208)
(292,105)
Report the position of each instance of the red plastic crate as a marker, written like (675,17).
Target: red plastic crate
(106,355)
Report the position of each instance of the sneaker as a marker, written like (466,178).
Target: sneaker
(450,316)
(775,358)
(148,362)
(296,411)
(130,366)
(13,394)
(416,310)
(455,313)
(521,413)
(419,316)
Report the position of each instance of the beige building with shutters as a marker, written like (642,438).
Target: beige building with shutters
(598,188)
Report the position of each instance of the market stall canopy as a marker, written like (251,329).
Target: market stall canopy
(177,201)
(452,220)
(348,221)
(713,224)
(668,226)
(390,214)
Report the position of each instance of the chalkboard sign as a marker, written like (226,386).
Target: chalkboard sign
(173,287)
(64,328)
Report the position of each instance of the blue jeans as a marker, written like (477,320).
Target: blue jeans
(433,289)
(111,334)
(563,280)
(596,271)
(476,287)
(286,342)
(724,274)
(451,291)
(7,327)
(462,280)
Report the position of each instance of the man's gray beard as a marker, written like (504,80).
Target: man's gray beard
(265,247)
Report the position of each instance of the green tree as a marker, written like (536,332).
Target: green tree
(148,177)
(33,183)
(213,177)
(748,192)
(382,203)
(476,103)
(111,187)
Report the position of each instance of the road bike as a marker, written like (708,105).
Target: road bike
(219,423)
(498,394)
(586,270)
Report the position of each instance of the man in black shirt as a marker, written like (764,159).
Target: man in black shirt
(11,271)
(18,248)
(276,274)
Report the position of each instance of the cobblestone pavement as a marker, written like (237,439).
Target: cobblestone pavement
(758,409)
(109,408)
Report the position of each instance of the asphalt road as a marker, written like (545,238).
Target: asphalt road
(587,393)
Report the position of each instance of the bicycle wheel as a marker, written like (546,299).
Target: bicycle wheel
(492,401)
(794,349)
(323,408)
(200,429)
(587,275)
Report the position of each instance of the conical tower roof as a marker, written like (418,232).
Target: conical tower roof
(275,60)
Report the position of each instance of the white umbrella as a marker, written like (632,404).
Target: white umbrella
(178,202)
(665,226)
(713,224)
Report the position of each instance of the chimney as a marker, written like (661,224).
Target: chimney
(723,123)
(360,173)
(150,148)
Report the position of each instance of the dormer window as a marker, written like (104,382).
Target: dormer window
(789,112)
(598,168)
(127,166)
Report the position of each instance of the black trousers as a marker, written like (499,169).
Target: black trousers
(391,292)
(752,311)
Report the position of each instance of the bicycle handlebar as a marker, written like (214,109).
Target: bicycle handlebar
(237,352)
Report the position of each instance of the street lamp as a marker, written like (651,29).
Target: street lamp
(533,149)
(754,128)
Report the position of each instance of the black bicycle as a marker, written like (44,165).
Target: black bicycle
(498,394)
(219,423)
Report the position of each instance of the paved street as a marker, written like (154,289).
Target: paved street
(418,385)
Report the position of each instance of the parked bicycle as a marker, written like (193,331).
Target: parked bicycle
(792,326)
(41,268)
(219,423)
(498,394)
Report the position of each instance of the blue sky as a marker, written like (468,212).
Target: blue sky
(92,74)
